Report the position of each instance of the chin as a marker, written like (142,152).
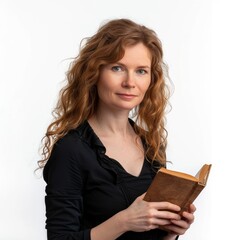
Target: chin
(127,108)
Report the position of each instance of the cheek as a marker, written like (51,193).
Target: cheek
(101,85)
(145,86)
(105,82)
(145,89)
(104,89)
(101,90)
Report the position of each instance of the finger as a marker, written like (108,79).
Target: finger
(192,208)
(142,196)
(165,206)
(174,229)
(181,223)
(189,217)
(165,216)
(155,223)
(161,222)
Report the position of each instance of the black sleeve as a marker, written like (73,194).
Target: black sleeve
(64,200)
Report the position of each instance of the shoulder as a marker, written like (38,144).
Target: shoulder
(70,153)
(67,146)
(75,141)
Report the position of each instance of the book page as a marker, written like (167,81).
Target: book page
(203,173)
(179,174)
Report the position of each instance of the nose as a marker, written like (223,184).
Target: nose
(129,81)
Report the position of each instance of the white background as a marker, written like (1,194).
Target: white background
(201,47)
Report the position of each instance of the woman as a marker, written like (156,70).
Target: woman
(98,162)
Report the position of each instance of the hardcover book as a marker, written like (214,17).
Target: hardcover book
(177,187)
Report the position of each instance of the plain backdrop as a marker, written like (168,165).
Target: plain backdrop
(38,40)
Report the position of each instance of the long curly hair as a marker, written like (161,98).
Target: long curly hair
(78,99)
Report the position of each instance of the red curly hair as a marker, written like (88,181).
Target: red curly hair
(78,99)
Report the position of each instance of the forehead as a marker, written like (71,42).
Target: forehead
(138,53)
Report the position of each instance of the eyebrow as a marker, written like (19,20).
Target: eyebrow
(122,64)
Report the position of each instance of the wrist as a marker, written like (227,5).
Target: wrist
(123,221)
(110,229)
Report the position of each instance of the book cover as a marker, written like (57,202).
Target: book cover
(177,187)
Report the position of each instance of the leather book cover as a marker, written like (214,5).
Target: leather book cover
(177,187)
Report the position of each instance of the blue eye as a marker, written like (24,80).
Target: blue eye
(141,71)
(117,68)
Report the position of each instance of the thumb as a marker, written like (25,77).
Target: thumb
(142,196)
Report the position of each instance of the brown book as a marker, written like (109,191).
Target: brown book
(177,187)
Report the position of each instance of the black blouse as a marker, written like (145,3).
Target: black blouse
(85,187)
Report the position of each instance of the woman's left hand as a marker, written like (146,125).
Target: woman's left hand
(179,227)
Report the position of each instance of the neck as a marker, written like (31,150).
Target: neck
(107,123)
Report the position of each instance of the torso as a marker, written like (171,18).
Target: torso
(80,176)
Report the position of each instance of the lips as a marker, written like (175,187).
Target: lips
(126,96)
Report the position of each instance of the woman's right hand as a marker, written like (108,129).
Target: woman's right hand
(140,216)
(143,216)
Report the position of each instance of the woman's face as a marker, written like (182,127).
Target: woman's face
(122,85)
